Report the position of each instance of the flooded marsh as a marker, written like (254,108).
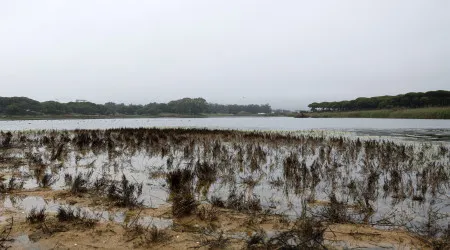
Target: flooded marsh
(211,188)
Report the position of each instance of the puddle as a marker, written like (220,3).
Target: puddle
(23,242)
(25,204)
(152,221)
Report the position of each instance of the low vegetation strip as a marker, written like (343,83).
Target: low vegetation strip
(419,113)
(427,105)
(439,98)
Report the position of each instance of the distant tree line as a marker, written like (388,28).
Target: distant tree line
(439,98)
(187,106)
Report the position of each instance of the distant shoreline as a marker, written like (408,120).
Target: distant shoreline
(418,113)
(94,117)
(440,113)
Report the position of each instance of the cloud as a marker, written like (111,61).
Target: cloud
(287,53)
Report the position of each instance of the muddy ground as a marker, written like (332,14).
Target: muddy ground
(227,229)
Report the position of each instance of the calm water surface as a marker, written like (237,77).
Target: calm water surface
(410,129)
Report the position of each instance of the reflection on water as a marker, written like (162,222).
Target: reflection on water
(27,203)
(373,180)
(442,135)
(24,242)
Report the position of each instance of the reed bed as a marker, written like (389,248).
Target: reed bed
(355,180)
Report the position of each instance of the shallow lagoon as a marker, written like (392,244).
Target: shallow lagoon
(388,176)
(281,171)
(406,129)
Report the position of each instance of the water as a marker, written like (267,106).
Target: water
(400,182)
(305,169)
(27,203)
(407,129)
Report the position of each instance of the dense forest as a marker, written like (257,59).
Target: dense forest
(439,98)
(185,106)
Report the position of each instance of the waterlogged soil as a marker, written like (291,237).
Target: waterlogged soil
(366,193)
(182,233)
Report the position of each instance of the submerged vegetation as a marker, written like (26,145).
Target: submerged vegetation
(5,234)
(306,182)
(75,216)
(180,184)
(11,185)
(36,215)
(124,193)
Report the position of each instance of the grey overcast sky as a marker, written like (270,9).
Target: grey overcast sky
(288,53)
